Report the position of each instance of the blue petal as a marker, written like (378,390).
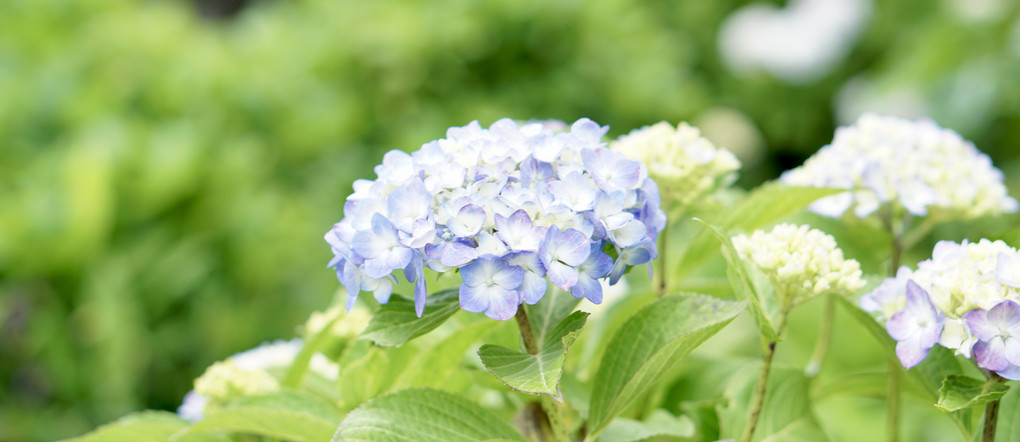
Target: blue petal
(587,288)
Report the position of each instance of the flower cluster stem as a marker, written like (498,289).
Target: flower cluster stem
(991,413)
(553,410)
(661,261)
(824,336)
(758,401)
(892,417)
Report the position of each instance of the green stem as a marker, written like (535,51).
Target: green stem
(553,410)
(892,417)
(824,335)
(991,413)
(758,401)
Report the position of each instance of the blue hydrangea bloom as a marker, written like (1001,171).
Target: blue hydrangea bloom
(512,208)
(917,327)
(998,334)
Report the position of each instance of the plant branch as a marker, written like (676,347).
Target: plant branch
(550,407)
(758,401)
(991,413)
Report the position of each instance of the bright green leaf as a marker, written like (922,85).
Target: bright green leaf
(156,426)
(271,421)
(434,365)
(396,322)
(659,423)
(743,285)
(959,392)
(539,373)
(423,415)
(551,310)
(786,414)
(655,338)
(765,205)
(1008,429)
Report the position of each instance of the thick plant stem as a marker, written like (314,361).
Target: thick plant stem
(824,335)
(892,417)
(991,413)
(758,401)
(552,409)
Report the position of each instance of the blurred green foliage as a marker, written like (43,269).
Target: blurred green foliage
(165,180)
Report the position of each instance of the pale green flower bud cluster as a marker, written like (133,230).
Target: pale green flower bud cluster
(353,323)
(800,261)
(250,373)
(686,164)
(225,381)
(916,165)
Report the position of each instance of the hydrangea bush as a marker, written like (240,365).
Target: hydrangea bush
(526,220)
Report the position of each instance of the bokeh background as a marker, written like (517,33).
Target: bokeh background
(168,168)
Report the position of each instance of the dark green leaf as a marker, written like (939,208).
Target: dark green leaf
(539,373)
(658,336)
(422,415)
(396,322)
(959,392)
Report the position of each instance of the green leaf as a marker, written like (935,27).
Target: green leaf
(959,392)
(659,423)
(156,426)
(423,415)
(539,373)
(786,414)
(286,415)
(765,205)
(551,310)
(657,337)
(396,322)
(434,365)
(743,285)
(368,375)
(1009,417)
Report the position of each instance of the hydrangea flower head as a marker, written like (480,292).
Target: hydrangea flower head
(973,287)
(800,261)
(916,165)
(680,158)
(510,207)
(248,374)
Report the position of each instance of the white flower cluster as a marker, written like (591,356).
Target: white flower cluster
(916,165)
(248,374)
(800,261)
(680,158)
(959,278)
(507,206)
(965,298)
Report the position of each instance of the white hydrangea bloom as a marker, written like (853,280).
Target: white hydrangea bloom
(801,261)
(961,277)
(247,374)
(916,165)
(680,159)
(963,282)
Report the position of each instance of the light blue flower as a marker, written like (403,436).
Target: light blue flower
(534,285)
(517,231)
(917,327)
(998,334)
(611,170)
(534,197)
(597,265)
(490,286)
(381,248)
(561,252)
